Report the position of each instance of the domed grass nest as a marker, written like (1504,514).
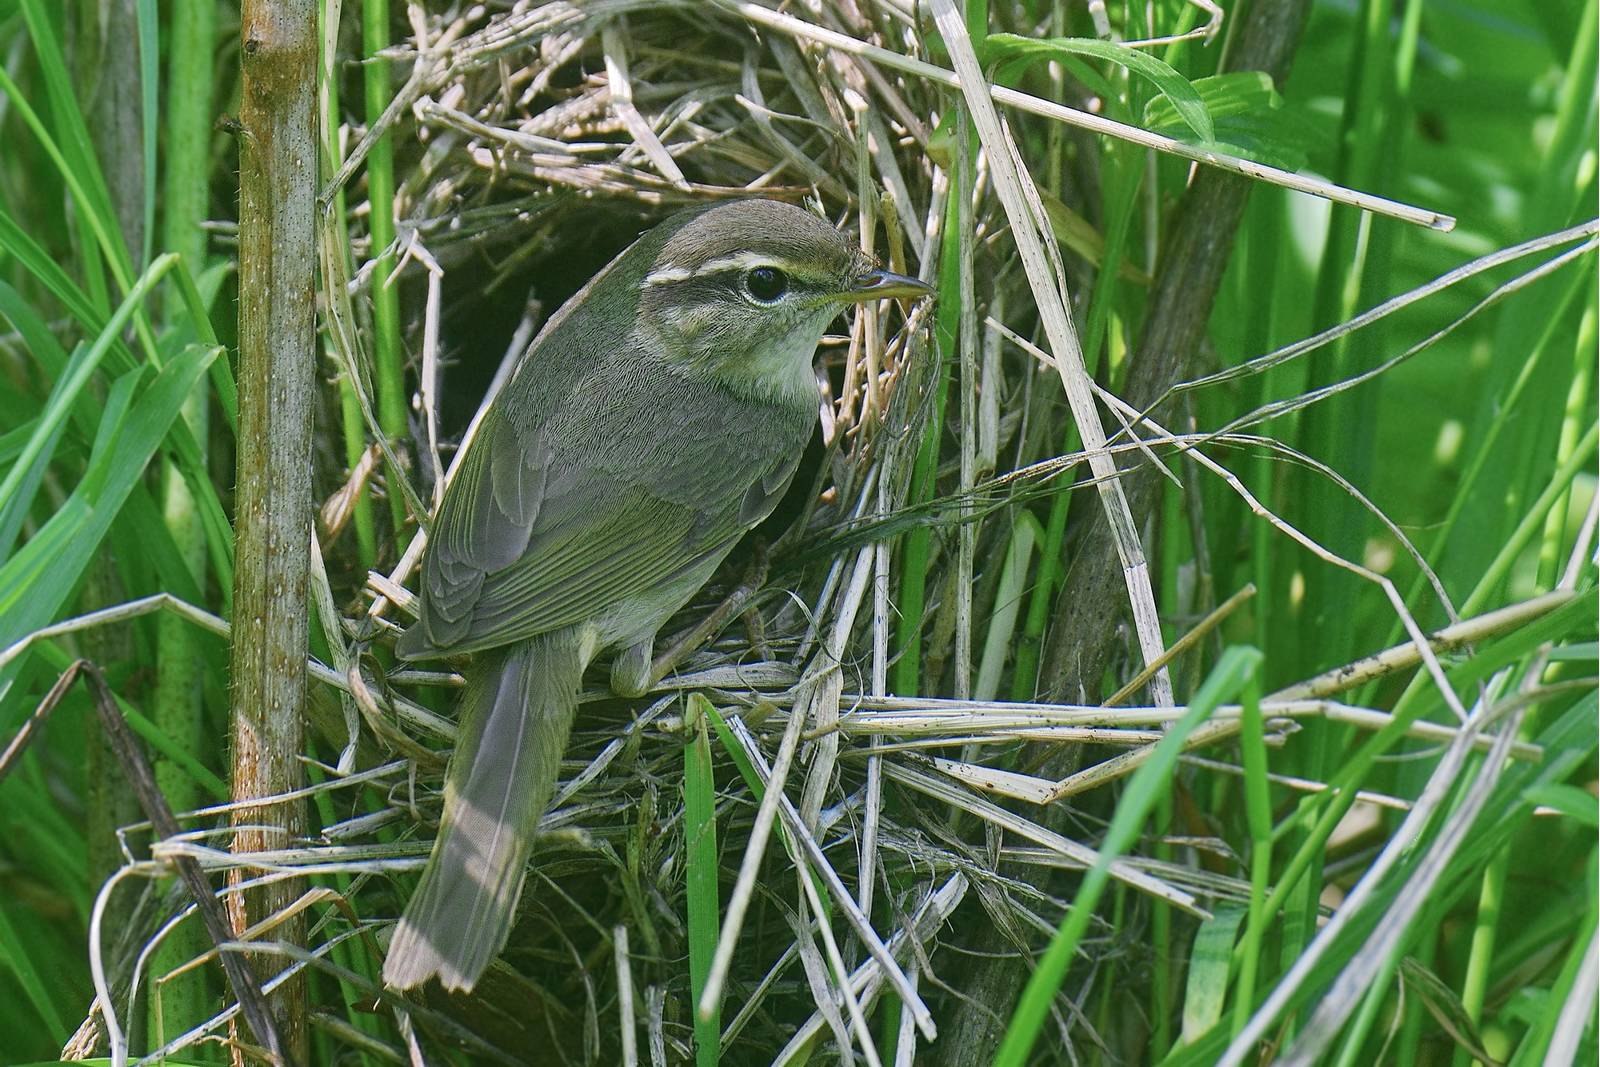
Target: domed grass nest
(530,146)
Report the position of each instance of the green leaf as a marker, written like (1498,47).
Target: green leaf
(36,333)
(704,905)
(42,265)
(736,752)
(1569,800)
(1079,235)
(196,474)
(71,148)
(11,442)
(1445,1007)
(198,296)
(17,488)
(37,581)
(142,523)
(14,956)
(1207,988)
(747,771)
(1242,92)
(1249,119)
(1025,533)
(24,571)
(27,476)
(1015,52)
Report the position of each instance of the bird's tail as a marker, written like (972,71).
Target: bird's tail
(516,715)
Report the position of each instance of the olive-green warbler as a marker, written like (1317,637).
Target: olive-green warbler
(658,416)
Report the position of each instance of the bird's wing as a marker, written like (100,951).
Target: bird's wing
(534,535)
(483,525)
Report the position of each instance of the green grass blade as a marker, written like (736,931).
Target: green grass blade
(704,906)
(150,112)
(51,420)
(43,267)
(71,149)
(1208,972)
(1025,534)
(200,319)
(73,382)
(26,474)
(1258,816)
(388,355)
(37,581)
(14,956)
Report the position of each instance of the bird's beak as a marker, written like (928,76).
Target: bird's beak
(878,284)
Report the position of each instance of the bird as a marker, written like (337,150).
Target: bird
(658,416)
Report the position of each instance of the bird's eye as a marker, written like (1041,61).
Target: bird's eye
(766,284)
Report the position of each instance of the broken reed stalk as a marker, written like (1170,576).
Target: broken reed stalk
(277,384)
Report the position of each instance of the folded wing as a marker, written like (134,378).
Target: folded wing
(550,521)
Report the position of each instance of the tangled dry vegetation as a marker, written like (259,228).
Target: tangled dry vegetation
(532,140)
(528,125)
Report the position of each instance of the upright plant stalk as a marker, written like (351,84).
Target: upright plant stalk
(1572,427)
(1371,140)
(108,71)
(390,358)
(1492,890)
(1355,259)
(277,381)
(178,706)
(967,350)
(1561,191)
(906,678)
(105,58)
(353,427)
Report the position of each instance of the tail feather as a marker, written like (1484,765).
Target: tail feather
(516,715)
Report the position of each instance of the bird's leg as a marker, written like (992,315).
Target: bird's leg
(732,607)
(631,670)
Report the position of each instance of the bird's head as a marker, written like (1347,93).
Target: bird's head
(744,291)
